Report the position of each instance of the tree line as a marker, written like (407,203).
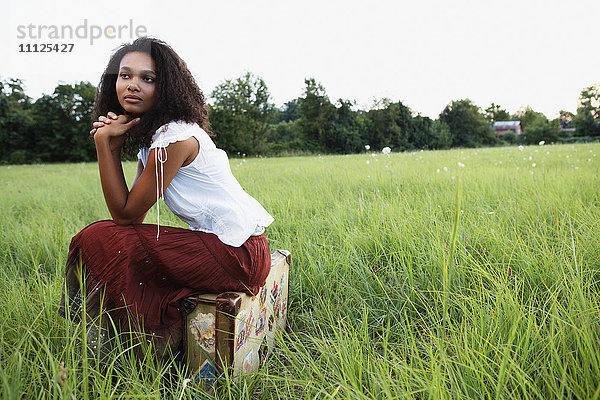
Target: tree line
(244,120)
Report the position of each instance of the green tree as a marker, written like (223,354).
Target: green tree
(540,130)
(496,113)
(290,112)
(565,119)
(528,117)
(285,137)
(468,126)
(587,119)
(315,112)
(430,134)
(536,127)
(390,125)
(16,123)
(62,123)
(342,133)
(240,114)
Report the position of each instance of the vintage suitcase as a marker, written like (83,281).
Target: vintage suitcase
(235,330)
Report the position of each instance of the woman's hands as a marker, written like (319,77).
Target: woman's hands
(112,128)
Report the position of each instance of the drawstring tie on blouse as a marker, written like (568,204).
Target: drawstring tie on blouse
(160,157)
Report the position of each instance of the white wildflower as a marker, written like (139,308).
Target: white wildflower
(373,154)
(445,169)
(521,148)
(386,150)
(461,165)
(367,147)
(368,162)
(437,170)
(541,143)
(533,165)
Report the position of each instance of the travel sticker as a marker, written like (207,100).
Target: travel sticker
(277,308)
(262,296)
(240,338)
(249,361)
(207,374)
(263,351)
(274,292)
(249,323)
(270,323)
(203,329)
(260,321)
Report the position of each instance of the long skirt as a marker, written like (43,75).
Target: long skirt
(140,280)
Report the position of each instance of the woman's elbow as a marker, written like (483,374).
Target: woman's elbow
(127,217)
(123,221)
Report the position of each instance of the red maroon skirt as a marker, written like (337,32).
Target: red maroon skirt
(132,275)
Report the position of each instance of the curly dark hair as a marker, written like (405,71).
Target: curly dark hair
(178,97)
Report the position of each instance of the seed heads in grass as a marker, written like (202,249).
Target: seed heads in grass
(61,377)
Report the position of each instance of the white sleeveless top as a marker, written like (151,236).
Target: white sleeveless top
(204,193)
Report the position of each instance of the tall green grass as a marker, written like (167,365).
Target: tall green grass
(383,302)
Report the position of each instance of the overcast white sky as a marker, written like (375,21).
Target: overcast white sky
(424,53)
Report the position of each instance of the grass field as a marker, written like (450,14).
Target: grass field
(411,277)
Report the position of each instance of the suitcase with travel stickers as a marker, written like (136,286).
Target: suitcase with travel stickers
(235,330)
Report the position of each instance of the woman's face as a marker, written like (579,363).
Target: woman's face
(136,83)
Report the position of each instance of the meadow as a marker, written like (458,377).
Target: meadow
(412,277)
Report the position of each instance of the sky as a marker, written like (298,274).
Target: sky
(424,53)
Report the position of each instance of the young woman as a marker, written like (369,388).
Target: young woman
(140,272)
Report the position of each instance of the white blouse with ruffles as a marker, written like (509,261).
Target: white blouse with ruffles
(204,193)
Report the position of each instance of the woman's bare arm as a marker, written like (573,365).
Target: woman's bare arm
(140,169)
(129,206)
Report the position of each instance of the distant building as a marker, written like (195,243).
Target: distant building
(501,127)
